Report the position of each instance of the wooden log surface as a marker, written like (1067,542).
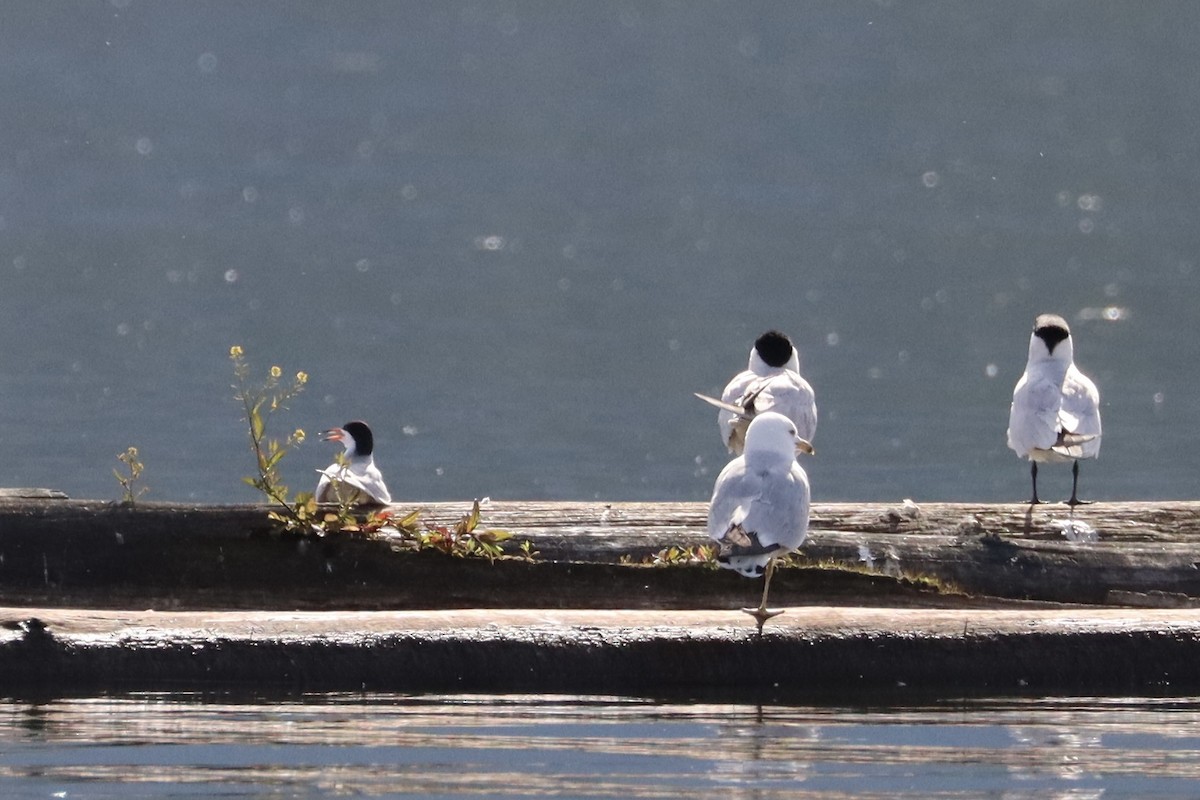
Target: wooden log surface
(79,577)
(163,555)
(809,651)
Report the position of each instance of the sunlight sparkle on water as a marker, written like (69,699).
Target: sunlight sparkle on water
(1103,314)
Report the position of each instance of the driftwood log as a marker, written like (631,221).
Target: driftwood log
(890,598)
(591,555)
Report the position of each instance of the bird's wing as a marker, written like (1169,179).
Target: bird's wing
(369,480)
(1079,416)
(729,494)
(736,387)
(779,514)
(786,393)
(1033,419)
(374,485)
(1080,411)
(731,424)
(753,513)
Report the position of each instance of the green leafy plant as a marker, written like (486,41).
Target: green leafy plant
(528,553)
(701,555)
(463,539)
(407,531)
(130,491)
(259,401)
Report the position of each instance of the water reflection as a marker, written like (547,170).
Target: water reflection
(469,746)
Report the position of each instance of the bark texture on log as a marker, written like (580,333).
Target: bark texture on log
(90,553)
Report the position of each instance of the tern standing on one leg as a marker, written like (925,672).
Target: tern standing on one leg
(759,508)
(771,382)
(358,481)
(1055,414)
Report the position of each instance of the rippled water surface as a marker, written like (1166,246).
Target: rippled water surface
(515,237)
(382,745)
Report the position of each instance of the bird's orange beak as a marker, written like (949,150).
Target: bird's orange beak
(333,435)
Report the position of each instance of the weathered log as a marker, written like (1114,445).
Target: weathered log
(807,652)
(90,553)
(167,557)
(97,555)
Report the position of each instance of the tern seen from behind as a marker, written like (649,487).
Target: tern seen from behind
(770,382)
(1055,415)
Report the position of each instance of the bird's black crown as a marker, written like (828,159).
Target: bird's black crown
(1051,329)
(364,441)
(774,348)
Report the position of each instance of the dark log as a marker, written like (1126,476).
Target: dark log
(93,554)
(810,652)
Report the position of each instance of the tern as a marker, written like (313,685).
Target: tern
(771,382)
(1055,415)
(356,480)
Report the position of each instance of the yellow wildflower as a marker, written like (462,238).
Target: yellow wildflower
(302,377)
(276,372)
(235,351)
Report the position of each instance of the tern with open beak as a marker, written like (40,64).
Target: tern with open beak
(357,481)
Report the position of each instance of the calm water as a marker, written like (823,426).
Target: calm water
(516,236)
(459,747)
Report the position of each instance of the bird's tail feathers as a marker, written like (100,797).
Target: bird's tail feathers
(1071,444)
(750,566)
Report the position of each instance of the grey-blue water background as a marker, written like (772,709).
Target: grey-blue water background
(516,236)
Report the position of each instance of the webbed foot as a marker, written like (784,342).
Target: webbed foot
(761,615)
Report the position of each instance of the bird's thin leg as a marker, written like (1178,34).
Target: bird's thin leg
(1075,501)
(762,613)
(1033,474)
